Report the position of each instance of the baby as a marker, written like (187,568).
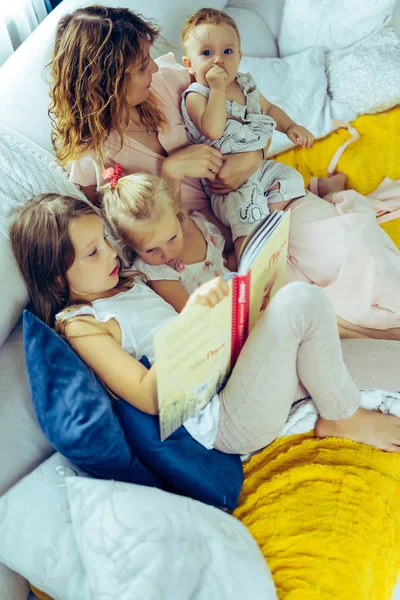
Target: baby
(224,109)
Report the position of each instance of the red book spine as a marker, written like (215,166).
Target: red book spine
(240,314)
(234,320)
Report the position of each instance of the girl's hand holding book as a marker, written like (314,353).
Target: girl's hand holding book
(208,294)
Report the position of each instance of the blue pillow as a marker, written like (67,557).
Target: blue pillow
(112,439)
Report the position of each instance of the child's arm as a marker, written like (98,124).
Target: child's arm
(209,115)
(231,262)
(97,345)
(296,133)
(226,232)
(172,292)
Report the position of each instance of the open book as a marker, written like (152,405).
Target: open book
(196,353)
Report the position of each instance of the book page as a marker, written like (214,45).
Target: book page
(193,355)
(268,271)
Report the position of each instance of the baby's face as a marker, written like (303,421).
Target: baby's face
(210,45)
(160,242)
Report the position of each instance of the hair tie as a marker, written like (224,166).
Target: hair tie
(113,174)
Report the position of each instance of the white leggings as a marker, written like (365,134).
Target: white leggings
(294,351)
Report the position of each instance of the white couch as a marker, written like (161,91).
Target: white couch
(23,108)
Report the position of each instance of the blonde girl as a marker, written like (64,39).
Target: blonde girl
(175,251)
(72,275)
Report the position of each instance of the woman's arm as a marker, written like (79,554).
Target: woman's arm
(125,376)
(226,232)
(91,194)
(236,170)
(172,292)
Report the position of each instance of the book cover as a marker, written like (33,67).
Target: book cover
(196,352)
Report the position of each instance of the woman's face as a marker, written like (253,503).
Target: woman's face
(140,77)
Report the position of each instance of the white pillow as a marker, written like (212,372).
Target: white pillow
(256,37)
(329,23)
(366,76)
(36,536)
(143,543)
(298,85)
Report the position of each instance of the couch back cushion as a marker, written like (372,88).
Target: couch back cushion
(22,444)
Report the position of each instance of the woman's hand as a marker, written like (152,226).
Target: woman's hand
(236,169)
(194,161)
(209,294)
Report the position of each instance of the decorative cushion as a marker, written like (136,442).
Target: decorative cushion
(141,543)
(36,536)
(256,37)
(366,76)
(76,415)
(294,84)
(331,24)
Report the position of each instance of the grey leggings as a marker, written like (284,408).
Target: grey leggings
(293,351)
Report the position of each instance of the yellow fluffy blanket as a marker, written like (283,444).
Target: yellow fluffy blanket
(367,162)
(326,515)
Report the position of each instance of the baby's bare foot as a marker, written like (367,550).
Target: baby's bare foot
(331,185)
(365,426)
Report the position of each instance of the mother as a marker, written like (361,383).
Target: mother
(111,102)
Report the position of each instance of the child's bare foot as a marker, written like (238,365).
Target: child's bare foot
(331,185)
(365,426)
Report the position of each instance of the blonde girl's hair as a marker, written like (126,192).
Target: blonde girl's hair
(134,199)
(97,51)
(210,16)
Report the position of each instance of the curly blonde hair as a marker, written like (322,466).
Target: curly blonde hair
(97,49)
(134,199)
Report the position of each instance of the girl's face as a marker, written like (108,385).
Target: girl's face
(140,77)
(212,45)
(161,241)
(95,269)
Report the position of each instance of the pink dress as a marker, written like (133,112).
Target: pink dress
(339,246)
(168,84)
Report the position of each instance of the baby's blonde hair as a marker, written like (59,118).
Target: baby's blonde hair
(211,16)
(134,199)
